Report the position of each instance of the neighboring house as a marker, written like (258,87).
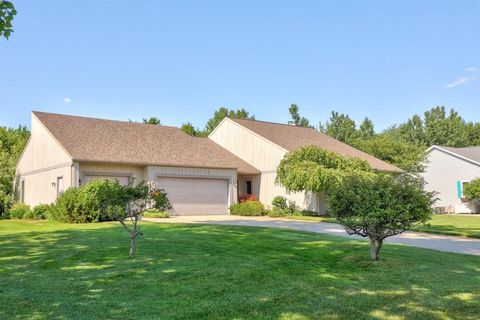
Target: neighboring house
(447,171)
(200,175)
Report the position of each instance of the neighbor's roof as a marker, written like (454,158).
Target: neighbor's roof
(469,153)
(291,138)
(98,140)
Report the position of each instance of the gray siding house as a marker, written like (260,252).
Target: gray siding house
(447,171)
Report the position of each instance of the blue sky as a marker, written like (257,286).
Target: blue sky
(181,60)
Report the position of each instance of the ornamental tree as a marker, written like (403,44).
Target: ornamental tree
(314,169)
(380,206)
(126,203)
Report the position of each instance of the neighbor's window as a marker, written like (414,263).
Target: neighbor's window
(59,185)
(464,183)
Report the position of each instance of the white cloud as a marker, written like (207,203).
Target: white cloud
(459,81)
(471,69)
(67,100)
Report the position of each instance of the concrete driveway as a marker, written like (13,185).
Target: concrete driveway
(415,239)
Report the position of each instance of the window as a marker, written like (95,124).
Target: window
(22,191)
(248,187)
(464,183)
(59,185)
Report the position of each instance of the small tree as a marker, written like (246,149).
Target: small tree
(472,191)
(127,203)
(379,206)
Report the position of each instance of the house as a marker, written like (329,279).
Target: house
(200,175)
(447,171)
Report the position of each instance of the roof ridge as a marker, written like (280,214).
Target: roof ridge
(270,122)
(101,119)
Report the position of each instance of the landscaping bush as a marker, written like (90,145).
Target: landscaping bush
(39,212)
(472,191)
(284,207)
(155,213)
(5,204)
(247,197)
(161,201)
(19,210)
(248,208)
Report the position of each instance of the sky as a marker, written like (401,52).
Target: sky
(182,60)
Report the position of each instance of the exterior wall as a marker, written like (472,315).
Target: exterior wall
(41,163)
(265,156)
(441,174)
(153,172)
(138,173)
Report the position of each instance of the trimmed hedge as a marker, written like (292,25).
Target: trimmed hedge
(154,213)
(247,208)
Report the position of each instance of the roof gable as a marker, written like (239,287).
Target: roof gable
(99,140)
(470,154)
(291,138)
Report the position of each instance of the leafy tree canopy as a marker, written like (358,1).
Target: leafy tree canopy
(190,129)
(341,127)
(314,169)
(379,206)
(7,12)
(223,112)
(366,130)
(297,120)
(152,120)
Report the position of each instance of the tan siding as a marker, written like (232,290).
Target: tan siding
(153,172)
(42,161)
(265,156)
(441,175)
(248,146)
(136,172)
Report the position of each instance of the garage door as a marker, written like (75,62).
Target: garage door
(122,180)
(193,196)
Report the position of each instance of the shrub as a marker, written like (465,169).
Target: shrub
(247,208)
(5,204)
(279,202)
(472,191)
(155,213)
(39,212)
(284,207)
(247,197)
(19,210)
(162,203)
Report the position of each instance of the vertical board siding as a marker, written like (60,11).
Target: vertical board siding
(248,146)
(265,156)
(442,173)
(136,172)
(40,164)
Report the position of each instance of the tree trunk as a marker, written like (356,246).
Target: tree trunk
(375,246)
(133,237)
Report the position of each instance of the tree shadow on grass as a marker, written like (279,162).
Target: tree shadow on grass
(227,272)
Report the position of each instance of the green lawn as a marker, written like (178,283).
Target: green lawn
(60,271)
(454,225)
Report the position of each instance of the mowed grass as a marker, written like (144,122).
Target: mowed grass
(59,271)
(454,225)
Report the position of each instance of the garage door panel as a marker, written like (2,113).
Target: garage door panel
(196,196)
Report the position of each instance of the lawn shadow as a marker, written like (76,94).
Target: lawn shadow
(227,272)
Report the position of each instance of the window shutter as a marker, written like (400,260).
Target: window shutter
(459,189)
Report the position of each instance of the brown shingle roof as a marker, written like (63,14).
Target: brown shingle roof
(98,140)
(291,138)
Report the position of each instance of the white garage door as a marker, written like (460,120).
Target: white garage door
(122,180)
(194,196)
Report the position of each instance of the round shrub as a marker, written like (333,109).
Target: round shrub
(19,210)
(280,202)
(39,212)
(247,208)
(154,213)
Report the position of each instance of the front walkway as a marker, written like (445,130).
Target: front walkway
(415,239)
